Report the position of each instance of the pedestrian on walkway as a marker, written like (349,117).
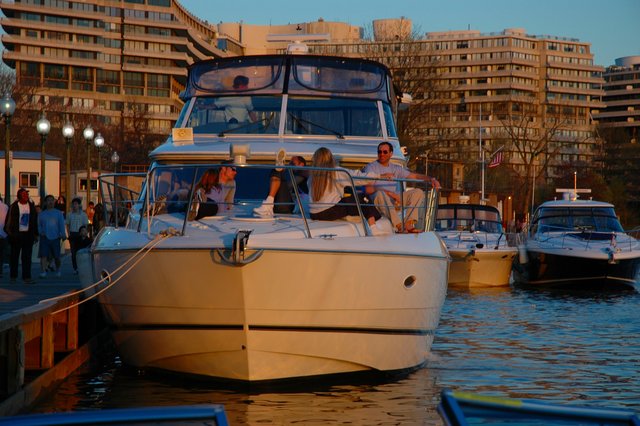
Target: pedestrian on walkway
(22,229)
(51,229)
(4,209)
(75,219)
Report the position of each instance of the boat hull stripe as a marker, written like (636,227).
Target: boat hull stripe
(298,329)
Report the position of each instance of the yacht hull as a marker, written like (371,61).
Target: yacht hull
(480,268)
(565,268)
(288,314)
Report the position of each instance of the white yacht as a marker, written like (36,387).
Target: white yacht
(481,253)
(578,244)
(240,297)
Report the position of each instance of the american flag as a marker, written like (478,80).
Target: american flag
(497,159)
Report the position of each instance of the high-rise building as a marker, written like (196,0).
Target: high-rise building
(532,95)
(619,124)
(107,57)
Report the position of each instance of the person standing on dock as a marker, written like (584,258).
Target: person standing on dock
(51,229)
(4,209)
(75,219)
(22,228)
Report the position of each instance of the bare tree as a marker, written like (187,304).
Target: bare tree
(533,140)
(414,68)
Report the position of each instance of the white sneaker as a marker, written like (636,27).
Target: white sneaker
(266,209)
(43,275)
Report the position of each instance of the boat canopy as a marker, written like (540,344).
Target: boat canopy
(285,74)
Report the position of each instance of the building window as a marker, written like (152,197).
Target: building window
(29,179)
(83,184)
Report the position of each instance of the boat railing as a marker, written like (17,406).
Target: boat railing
(462,239)
(119,192)
(565,237)
(166,194)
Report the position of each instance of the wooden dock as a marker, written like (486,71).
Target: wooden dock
(34,335)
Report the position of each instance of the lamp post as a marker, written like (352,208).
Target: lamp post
(67,133)
(7,108)
(115,158)
(43,126)
(98,142)
(88,137)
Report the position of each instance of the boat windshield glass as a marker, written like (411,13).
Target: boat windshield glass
(237,75)
(599,219)
(466,219)
(235,114)
(305,116)
(336,75)
(333,116)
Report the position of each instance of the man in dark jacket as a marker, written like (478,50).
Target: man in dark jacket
(22,229)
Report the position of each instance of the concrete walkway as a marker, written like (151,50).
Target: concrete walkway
(18,295)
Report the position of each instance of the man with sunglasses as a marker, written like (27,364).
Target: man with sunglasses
(388,198)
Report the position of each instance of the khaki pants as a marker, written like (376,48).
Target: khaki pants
(414,208)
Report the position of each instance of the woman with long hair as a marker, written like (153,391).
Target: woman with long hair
(327,193)
(214,191)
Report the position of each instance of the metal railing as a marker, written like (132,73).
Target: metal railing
(152,200)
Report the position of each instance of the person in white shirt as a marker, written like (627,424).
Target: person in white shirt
(328,200)
(237,109)
(75,220)
(387,195)
(22,229)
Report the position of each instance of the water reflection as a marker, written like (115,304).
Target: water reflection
(520,343)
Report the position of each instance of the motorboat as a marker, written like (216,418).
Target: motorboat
(464,408)
(237,296)
(481,252)
(577,244)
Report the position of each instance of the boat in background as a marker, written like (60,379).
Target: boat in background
(481,253)
(577,244)
(252,299)
(461,408)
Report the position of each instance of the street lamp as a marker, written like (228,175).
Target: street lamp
(98,142)
(67,133)
(88,137)
(43,126)
(7,108)
(115,158)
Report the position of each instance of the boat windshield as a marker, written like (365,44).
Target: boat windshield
(323,95)
(459,218)
(304,116)
(598,219)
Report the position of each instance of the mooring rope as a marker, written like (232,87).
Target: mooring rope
(137,256)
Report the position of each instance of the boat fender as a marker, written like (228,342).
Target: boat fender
(522,254)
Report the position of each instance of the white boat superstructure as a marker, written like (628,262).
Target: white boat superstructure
(481,253)
(578,244)
(240,297)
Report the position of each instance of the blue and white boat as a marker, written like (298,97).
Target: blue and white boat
(578,244)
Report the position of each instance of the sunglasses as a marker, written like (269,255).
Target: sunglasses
(382,152)
(233,169)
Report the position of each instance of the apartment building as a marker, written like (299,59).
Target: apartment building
(530,95)
(107,57)
(619,123)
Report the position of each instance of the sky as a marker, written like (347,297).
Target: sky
(611,26)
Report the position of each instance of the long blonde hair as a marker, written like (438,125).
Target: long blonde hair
(321,179)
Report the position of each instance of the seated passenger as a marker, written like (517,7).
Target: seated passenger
(281,194)
(327,194)
(237,109)
(214,192)
(387,197)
